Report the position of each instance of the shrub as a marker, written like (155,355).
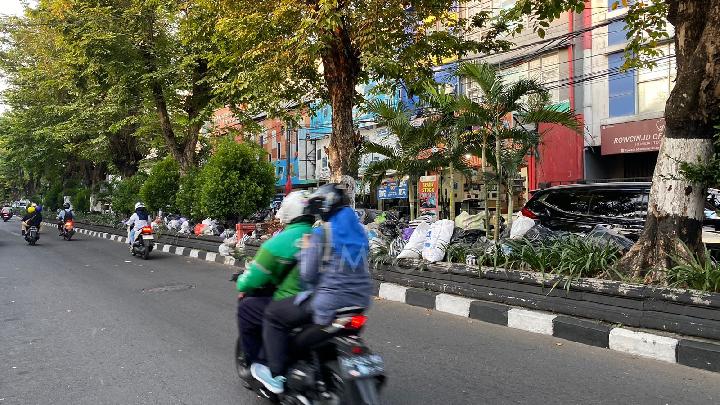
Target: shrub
(53,198)
(186,199)
(126,193)
(80,200)
(696,271)
(159,189)
(236,181)
(570,257)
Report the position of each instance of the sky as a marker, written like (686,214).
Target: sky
(8,7)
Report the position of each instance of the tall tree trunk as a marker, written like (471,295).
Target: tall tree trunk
(675,210)
(341,64)
(498,176)
(452,192)
(486,192)
(412,184)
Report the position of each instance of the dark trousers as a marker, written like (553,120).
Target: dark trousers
(250,320)
(281,317)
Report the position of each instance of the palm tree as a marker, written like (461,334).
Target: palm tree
(526,101)
(413,142)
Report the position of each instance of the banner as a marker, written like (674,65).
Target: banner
(428,195)
(392,189)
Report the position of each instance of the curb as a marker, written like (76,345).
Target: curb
(689,352)
(172,249)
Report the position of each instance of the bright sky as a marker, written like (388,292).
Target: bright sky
(8,7)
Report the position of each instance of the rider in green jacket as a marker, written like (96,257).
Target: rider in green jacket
(273,274)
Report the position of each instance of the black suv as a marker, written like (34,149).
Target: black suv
(580,207)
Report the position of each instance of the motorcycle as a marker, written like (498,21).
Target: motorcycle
(6,216)
(68,229)
(32,236)
(330,365)
(143,243)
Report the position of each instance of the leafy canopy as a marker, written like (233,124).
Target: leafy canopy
(159,190)
(236,181)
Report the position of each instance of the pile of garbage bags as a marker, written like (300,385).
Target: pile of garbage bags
(434,240)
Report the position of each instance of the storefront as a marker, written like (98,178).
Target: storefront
(628,150)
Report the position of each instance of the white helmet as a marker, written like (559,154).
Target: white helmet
(293,206)
(139,205)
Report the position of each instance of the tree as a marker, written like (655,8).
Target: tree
(139,66)
(302,51)
(675,210)
(416,150)
(159,190)
(236,181)
(504,116)
(186,199)
(126,193)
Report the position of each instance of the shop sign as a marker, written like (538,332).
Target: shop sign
(392,189)
(428,195)
(632,137)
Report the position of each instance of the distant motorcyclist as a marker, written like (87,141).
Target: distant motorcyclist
(32,218)
(136,222)
(66,214)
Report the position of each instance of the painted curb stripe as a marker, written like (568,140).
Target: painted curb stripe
(644,344)
(531,321)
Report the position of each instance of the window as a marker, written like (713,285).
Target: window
(654,84)
(262,140)
(621,87)
(545,69)
(280,171)
(617,33)
(619,203)
(576,203)
(636,92)
(278,150)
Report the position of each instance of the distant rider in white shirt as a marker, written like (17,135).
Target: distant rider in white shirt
(137,221)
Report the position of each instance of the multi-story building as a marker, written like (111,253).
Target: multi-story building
(579,61)
(623,109)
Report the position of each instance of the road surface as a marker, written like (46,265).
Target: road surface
(80,323)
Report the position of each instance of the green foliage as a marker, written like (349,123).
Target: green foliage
(53,197)
(81,200)
(570,257)
(707,173)
(186,199)
(236,181)
(126,193)
(159,189)
(696,271)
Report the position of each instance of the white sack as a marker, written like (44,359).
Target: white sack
(438,240)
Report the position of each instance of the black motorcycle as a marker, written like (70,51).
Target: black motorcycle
(143,243)
(67,229)
(32,235)
(330,365)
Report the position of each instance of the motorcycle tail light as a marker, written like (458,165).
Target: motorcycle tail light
(356,322)
(357,350)
(69,224)
(146,230)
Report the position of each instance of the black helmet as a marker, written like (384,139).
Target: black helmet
(327,200)
(66,205)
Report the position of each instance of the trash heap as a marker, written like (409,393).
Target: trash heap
(426,238)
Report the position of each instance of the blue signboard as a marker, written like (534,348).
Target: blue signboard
(392,189)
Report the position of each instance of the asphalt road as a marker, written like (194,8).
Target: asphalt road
(78,326)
